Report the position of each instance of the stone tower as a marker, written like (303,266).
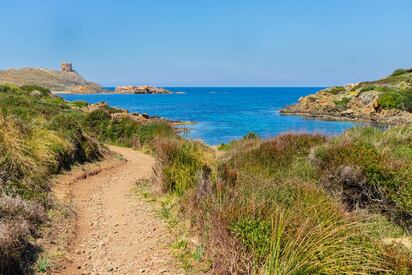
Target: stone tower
(66,67)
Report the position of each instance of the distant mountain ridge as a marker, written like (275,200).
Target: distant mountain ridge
(65,80)
(388,100)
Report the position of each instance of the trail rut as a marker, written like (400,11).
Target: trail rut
(116,231)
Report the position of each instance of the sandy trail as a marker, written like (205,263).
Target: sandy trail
(117,232)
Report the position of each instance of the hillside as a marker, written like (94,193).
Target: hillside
(42,135)
(65,80)
(388,100)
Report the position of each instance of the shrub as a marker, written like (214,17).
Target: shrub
(399,72)
(368,88)
(125,131)
(31,88)
(407,100)
(179,163)
(396,99)
(391,99)
(6,89)
(365,164)
(79,103)
(342,104)
(336,90)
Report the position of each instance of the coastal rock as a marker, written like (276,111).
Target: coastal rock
(366,101)
(141,90)
(65,80)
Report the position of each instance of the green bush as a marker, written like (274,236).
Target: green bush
(390,99)
(179,163)
(368,88)
(79,103)
(254,234)
(31,88)
(342,104)
(125,131)
(6,89)
(367,164)
(399,72)
(336,90)
(396,99)
(97,123)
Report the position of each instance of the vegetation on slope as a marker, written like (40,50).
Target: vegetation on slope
(40,135)
(299,203)
(386,100)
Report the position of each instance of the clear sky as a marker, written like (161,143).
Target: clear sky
(210,42)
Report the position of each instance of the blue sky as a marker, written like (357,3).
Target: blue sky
(210,42)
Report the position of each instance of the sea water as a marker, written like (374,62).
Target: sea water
(223,114)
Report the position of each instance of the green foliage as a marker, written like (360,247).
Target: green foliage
(181,163)
(393,98)
(399,72)
(40,134)
(254,234)
(336,90)
(271,200)
(368,88)
(198,253)
(31,88)
(343,103)
(6,89)
(407,100)
(125,131)
(42,265)
(79,103)
(369,161)
(248,137)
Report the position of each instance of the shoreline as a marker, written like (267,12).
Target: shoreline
(332,117)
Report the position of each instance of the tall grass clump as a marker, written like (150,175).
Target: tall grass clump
(28,154)
(326,248)
(39,135)
(179,163)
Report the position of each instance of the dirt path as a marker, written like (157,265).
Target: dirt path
(116,232)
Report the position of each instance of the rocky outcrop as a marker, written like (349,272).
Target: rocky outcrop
(388,100)
(65,80)
(141,90)
(118,114)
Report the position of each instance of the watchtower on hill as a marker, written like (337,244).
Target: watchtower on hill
(66,67)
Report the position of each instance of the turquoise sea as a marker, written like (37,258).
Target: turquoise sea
(222,114)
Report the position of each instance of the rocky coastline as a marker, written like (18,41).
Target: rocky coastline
(141,90)
(67,80)
(388,101)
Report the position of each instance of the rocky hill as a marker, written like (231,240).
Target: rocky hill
(388,100)
(65,80)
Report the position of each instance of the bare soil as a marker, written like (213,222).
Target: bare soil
(114,231)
